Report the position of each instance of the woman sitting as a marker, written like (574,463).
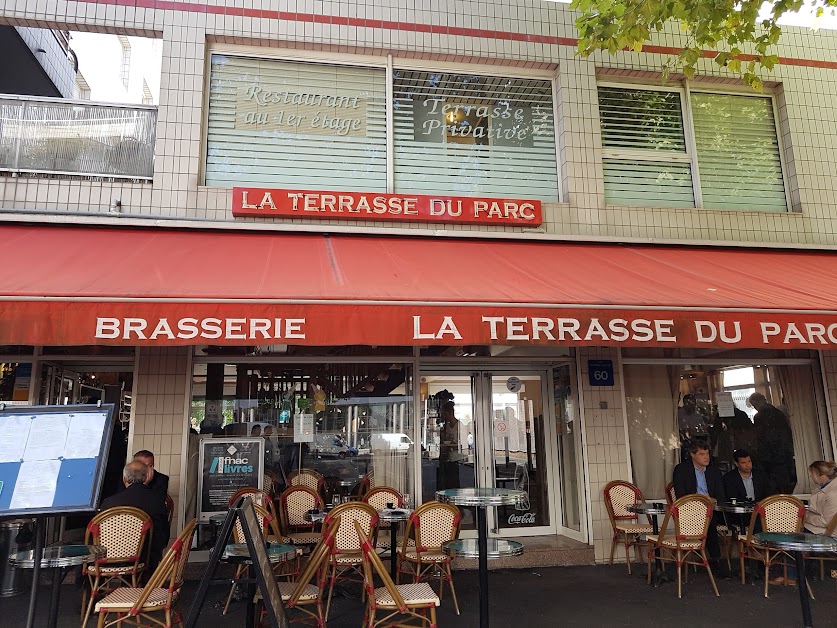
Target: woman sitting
(823,503)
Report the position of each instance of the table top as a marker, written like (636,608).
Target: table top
(481,496)
(797,541)
(393,515)
(317,516)
(59,556)
(275,553)
(648,508)
(469,548)
(217,519)
(740,507)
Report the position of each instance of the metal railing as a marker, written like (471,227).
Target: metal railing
(76,137)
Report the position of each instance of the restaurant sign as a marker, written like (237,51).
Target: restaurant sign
(284,203)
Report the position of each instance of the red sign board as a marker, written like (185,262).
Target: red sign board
(282,203)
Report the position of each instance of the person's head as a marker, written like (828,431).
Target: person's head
(256,431)
(147,458)
(699,451)
(268,431)
(689,402)
(822,471)
(757,400)
(447,410)
(135,472)
(743,461)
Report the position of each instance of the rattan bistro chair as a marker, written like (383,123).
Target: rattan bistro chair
(671,496)
(133,604)
(618,495)
(421,556)
(687,546)
(378,498)
(778,513)
(294,503)
(264,519)
(416,601)
(125,533)
(309,478)
(831,530)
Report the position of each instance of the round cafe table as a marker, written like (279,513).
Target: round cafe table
(393,516)
(57,558)
(481,498)
(653,510)
(796,543)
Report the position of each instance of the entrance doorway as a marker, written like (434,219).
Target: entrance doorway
(499,428)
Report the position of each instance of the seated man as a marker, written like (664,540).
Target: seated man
(138,495)
(696,476)
(157,482)
(745,483)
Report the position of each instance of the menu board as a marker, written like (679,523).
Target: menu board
(227,465)
(52,458)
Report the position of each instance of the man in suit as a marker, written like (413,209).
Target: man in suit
(138,495)
(744,482)
(157,482)
(696,476)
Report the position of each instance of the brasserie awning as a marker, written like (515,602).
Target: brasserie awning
(65,285)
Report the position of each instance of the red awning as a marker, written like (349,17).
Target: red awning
(82,285)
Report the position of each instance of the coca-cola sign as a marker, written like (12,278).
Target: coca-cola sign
(527,518)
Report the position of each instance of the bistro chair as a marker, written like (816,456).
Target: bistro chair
(308,589)
(169,508)
(294,503)
(124,532)
(346,557)
(831,557)
(366,484)
(265,500)
(308,478)
(264,519)
(671,496)
(618,495)
(687,546)
(378,498)
(158,596)
(421,557)
(416,601)
(777,513)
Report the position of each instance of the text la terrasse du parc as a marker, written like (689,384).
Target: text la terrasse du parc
(500,328)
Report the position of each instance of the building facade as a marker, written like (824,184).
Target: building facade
(363,212)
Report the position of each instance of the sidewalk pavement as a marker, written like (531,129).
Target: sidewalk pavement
(534,598)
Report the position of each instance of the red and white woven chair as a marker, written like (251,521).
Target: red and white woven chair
(687,546)
(618,495)
(264,520)
(160,595)
(309,478)
(294,503)
(416,601)
(125,533)
(421,556)
(378,498)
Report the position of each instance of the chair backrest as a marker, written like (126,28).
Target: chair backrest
(432,524)
(308,478)
(123,531)
(670,494)
(345,538)
(264,518)
(294,502)
(169,507)
(379,497)
(691,515)
(367,483)
(618,495)
(259,497)
(372,565)
(778,513)
(170,571)
(317,565)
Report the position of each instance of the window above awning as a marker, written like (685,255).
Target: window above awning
(83,285)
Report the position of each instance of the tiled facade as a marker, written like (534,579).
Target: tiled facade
(529,36)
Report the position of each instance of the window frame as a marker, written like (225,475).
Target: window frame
(685,89)
(390,64)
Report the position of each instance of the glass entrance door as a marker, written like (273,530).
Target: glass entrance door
(491,429)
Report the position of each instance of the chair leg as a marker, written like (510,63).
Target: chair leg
(613,546)
(93,588)
(766,572)
(628,554)
(331,590)
(741,564)
(433,616)
(238,571)
(709,571)
(452,592)
(679,576)
(650,552)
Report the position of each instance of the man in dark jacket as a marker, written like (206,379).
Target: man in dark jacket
(696,476)
(744,482)
(138,495)
(157,482)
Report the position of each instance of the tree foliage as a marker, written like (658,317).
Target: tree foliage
(722,29)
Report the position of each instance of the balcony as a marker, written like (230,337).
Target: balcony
(76,137)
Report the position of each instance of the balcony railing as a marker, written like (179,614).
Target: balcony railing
(76,137)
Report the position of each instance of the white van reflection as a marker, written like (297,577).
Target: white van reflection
(395,442)
(332,445)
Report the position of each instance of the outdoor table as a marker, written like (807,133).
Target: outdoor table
(482,498)
(653,510)
(239,553)
(57,558)
(393,516)
(797,543)
(315,516)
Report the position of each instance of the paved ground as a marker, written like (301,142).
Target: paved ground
(559,596)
